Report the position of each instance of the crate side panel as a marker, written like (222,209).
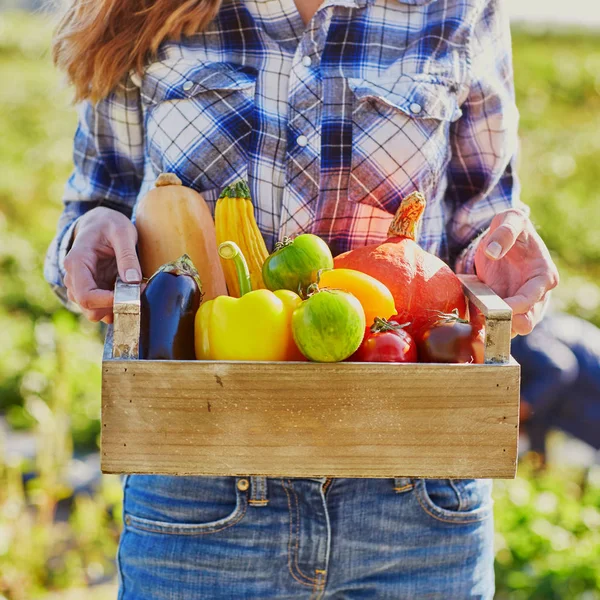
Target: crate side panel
(344,420)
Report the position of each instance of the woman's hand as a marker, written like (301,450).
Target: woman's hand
(104,244)
(514,261)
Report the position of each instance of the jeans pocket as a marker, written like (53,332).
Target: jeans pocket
(182,505)
(457,501)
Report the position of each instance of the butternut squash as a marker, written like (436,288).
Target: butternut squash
(172,220)
(235,222)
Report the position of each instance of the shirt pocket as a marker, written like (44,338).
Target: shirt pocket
(400,138)
(199,120)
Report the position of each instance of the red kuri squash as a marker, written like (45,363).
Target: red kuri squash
(420,282)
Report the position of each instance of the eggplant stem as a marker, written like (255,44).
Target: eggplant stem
(451,317)
(231,251)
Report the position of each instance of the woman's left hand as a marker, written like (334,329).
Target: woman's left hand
(512,259)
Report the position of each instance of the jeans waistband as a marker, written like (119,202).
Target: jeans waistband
(259,494)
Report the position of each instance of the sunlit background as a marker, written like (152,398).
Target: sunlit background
(59,520)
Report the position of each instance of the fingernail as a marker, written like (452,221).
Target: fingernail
(493,250)
(132,276)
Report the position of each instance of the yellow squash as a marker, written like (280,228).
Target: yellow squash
(234,221)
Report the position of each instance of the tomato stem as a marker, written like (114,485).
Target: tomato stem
(286,241)
(231,251)
(380,325)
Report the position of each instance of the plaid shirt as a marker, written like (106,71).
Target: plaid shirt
(332,124)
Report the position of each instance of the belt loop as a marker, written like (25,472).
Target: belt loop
(258,491)
(403,484)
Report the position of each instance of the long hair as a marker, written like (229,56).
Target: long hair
(97,42)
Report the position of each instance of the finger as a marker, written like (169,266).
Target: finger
(522,324)
(529,294)
(85,290)
(97,315)
(504,236)
(123,238)
(108,319)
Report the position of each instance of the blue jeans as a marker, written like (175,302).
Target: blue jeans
(192,538)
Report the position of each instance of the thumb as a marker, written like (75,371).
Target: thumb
(123,239)
(505,229)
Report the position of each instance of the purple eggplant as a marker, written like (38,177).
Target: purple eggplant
(168,306)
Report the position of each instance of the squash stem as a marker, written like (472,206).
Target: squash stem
(407,220)
(231,251)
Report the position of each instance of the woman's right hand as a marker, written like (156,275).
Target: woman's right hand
(104,244)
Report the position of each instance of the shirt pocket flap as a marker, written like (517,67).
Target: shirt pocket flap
(417,2)
(181,79)
(417,99)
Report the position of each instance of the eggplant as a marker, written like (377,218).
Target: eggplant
(168,309)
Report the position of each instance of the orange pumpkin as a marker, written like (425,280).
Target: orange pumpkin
(420,282)
(172,220)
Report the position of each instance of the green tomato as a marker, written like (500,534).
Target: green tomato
(329,326)
(295,264)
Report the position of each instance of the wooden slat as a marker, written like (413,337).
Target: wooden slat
(308,420)
(126,330)
(498,318)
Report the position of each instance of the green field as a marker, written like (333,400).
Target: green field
(548,527)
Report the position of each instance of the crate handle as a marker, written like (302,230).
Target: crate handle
(498,318)
(126,329)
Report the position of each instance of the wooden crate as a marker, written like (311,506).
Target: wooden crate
(307,419)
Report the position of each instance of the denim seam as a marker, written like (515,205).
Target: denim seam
(119,565)
(310,581)
(185,531)
(457,521)
(319,587)
(458,494)
(313,579)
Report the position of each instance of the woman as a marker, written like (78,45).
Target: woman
(334,112)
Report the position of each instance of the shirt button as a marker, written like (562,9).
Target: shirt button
(243,485)
(188,85)
(307,61)
(302,140)
(415,108)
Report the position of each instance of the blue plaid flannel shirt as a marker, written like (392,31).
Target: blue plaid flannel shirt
(332,123)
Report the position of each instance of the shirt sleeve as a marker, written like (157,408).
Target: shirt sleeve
(108,162)
(481,174)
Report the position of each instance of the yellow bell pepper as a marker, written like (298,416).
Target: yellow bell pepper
(256,326)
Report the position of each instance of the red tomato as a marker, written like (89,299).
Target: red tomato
(453,340)
(386,342)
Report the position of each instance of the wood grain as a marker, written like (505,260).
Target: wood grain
(127,316)
(498,318)
(309,420)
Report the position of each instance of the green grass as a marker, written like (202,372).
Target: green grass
(548,527)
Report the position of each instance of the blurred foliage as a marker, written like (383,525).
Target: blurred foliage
(548,535)
(548,526)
